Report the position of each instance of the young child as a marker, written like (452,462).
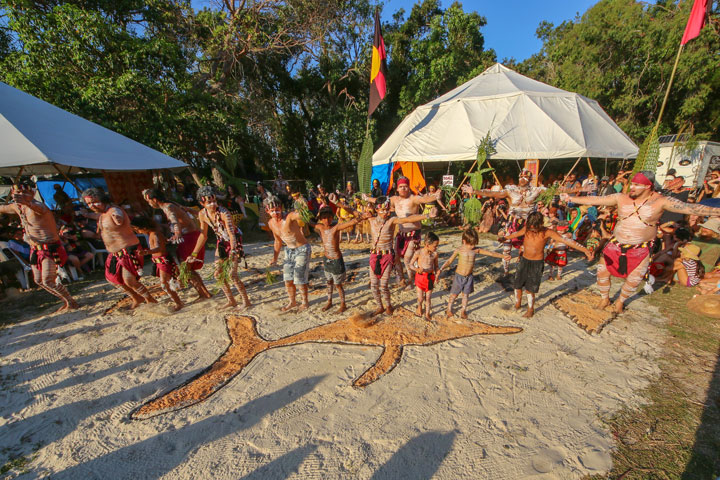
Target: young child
(464,282)
(557,258)
(530,268)
(687,266)
(344,214)
(425,262)
(382,255)
(165,267)
(333,263)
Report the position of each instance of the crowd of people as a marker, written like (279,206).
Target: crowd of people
(636,231)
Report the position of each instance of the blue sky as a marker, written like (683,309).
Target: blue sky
(511,24)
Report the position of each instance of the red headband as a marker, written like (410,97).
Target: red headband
(641,179)
(403,180)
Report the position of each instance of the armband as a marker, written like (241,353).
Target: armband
(194,254)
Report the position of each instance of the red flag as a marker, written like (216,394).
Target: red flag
(700,11)
(378,70)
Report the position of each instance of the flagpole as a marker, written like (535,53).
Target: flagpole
(667,91)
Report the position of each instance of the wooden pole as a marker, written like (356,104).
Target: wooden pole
(590,167)
(20,172)
(497,180)
(67,178)
(571,170)
(667,91)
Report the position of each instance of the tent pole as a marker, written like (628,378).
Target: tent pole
(20,172)
(571,170)
(66,177)
(590,167)
(487,160)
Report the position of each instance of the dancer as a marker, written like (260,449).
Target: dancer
(627,254)
(529,272)
(557,258)
(124,265)
(165,267)
(41,233)
(463,281)
(296,267)
(425,264)
(407,241)
(229,244)
(333,263)
(185,234)
(382,255)
(520,198)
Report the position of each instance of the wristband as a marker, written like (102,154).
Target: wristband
(194,255)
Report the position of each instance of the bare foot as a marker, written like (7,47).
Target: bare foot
(326,307)
(62,308)
(175,307)
(342,308)
(136,303)
(289,306)
(530,312)
(428,317)
(518,304)
(463,314)
(303,307)
(551,278)
(150,300)
(199,299)
(247,304)
(558,278)
(389,310)
(379,310)
(228,305)
(604,302)
(449,313)
(618,306)
(419,311)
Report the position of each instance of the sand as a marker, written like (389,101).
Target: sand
(526,405)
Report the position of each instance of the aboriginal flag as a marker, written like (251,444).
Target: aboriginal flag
(378,72)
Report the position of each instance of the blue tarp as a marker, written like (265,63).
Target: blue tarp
(47,188)
(382,173)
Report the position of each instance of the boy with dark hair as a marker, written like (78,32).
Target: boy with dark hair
(530,268)
(463,281)
(333,263)
(165,267)
(425,264)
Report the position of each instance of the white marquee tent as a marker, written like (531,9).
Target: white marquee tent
(526,119)
(37,137)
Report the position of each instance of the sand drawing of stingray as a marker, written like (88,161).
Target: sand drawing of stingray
(392,333)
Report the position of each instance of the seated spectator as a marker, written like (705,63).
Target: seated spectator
(17,244)
(688,266)
(61,198)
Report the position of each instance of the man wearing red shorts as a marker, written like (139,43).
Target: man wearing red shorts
(627,254)
(41,233)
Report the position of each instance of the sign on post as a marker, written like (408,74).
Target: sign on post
(448,180)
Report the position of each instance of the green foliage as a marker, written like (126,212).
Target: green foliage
(270,277)
(365,165)
(547,196)
(224,275)
(304,212)
(648,154)
(472,211)
(184,274)
(621,54)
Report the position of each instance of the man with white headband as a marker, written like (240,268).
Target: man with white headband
(408,236)
(521,198)
(41,233)
(627,254)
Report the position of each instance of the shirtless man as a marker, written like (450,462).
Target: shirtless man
(334,263)
(185,234)
(529,272)
(382,257)
(296,268)
(124,264)
(627,254)
(406,204)
(41,233)
(229,243)
(520,198)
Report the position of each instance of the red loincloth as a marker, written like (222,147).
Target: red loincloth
(127,259)
(164,264)
(634,255)
(425,281)
(557,258)
(403,239)
(380,261)
(187,246)
(514,224)
(54,251)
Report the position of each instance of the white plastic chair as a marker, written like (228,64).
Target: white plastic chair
(23,275)
(98,254)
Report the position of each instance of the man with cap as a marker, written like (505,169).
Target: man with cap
(605,188)
(408,236)
(41,233)
(627,254)
(520,198)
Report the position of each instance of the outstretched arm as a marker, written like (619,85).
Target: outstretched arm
(607,200)
(674,205)
(489,253)
(517,234)
(484,193)
(430,197)
(410,219)
(570,243)
(449,261)
(348,224)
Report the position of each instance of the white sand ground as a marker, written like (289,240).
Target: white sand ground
(500,407)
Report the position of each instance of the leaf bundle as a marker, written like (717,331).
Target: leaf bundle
(364,165)
(305,214)
(547,196)
(648,154)
(270,277)
(225,273)
(473,211)
(184,274)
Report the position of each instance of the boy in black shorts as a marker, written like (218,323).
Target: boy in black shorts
(530,267)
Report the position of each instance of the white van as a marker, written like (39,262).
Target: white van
(692,166)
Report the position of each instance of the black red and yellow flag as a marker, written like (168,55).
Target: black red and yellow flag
(378,71)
